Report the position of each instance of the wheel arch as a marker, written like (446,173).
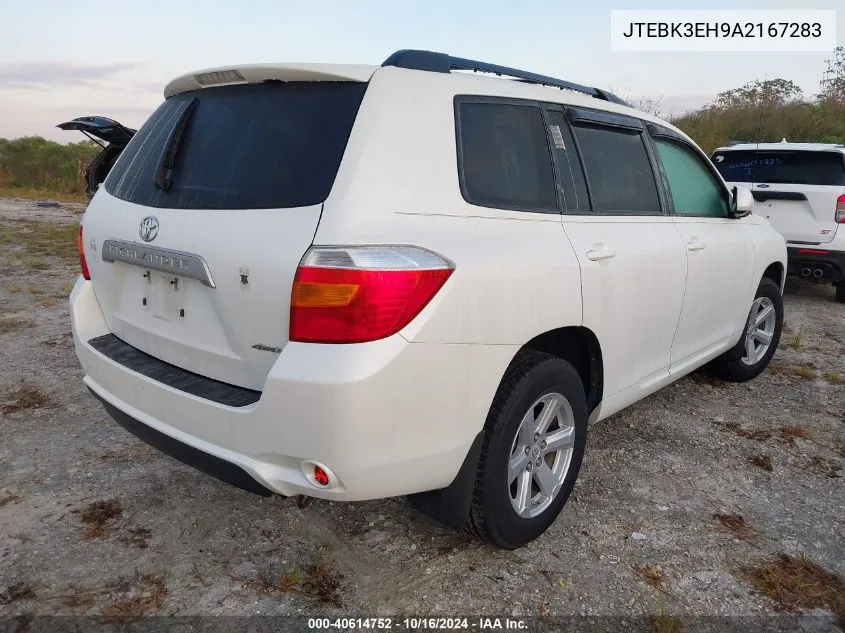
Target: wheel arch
(776,271)
(577,345)
(580,347)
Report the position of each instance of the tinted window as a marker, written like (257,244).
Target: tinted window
(800,168)
(504,157)
(618,170)
(572,187)
(694,189)
(245,147)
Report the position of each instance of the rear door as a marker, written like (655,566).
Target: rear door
(796,190)
(633,262)
(194,239)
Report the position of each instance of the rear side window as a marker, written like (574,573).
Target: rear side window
(261,146)
(504,157)
(788,167)
(618,170)
(694,189)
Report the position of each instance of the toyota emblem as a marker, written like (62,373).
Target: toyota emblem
(148,229)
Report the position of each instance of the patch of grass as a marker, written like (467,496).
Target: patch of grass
(826,467)
(316,582)
(661,622)
(40,240)
(8,497)
(797,340)
(16,592)
(30,193)
(834,378)
(778,369)
(736,525)
(763,461)
(804,371)
(323,584)
(796,583)
(137,537)
(35,263)
(24,397)
(788,434)
(147,598)
(703,378)
(650,574)
(14,322)
(77,599)
(48,302)
(759,435)
(35,290)
(97,516)
(15,288)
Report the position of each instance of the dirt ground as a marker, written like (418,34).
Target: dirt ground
(92,521)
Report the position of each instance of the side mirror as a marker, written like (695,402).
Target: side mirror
(742,202)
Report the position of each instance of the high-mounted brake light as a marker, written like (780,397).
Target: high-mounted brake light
(80,245)
(840,209)
(217,77)
(358,294)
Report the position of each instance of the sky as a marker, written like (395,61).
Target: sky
(60,60)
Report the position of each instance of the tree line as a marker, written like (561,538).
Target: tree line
(36,164)
(760,111)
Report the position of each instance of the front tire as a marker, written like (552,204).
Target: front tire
(534,440)
(759,340)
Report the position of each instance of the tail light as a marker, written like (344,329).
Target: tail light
(80,245)
(358,294)
(840,209)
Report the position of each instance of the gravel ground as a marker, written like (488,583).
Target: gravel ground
(170,540)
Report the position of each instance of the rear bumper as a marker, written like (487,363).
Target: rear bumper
(387,418)
(817,263)
(202,461)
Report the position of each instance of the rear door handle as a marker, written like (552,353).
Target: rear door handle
(695,245)
(599,254)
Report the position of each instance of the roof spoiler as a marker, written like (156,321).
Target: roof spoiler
(443,63)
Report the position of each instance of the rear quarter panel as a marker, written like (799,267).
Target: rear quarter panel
(516,274)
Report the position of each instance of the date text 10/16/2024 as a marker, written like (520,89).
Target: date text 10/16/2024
(417,624)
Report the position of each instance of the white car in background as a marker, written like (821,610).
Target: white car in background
(800,189)
(355,282)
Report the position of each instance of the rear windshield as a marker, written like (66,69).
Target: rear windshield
(260,146)
(800,168)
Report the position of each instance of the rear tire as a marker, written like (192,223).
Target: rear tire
(840,292)
(529,462)
(748,358)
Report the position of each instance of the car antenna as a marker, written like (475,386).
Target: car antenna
(759,132)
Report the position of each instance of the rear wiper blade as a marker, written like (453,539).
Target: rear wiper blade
(171,147)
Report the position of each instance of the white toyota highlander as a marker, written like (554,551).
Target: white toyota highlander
(424,278)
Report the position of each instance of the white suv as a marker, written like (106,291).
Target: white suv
(800,188)
(355,282)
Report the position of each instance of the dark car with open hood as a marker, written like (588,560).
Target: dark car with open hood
(100,130)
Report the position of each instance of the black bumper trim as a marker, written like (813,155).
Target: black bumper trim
(832,263)
(220,469)
(132,358)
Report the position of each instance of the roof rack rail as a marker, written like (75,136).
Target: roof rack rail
(443,63)
(734,142)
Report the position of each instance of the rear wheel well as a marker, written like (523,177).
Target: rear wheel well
(580,347)
(775,273)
